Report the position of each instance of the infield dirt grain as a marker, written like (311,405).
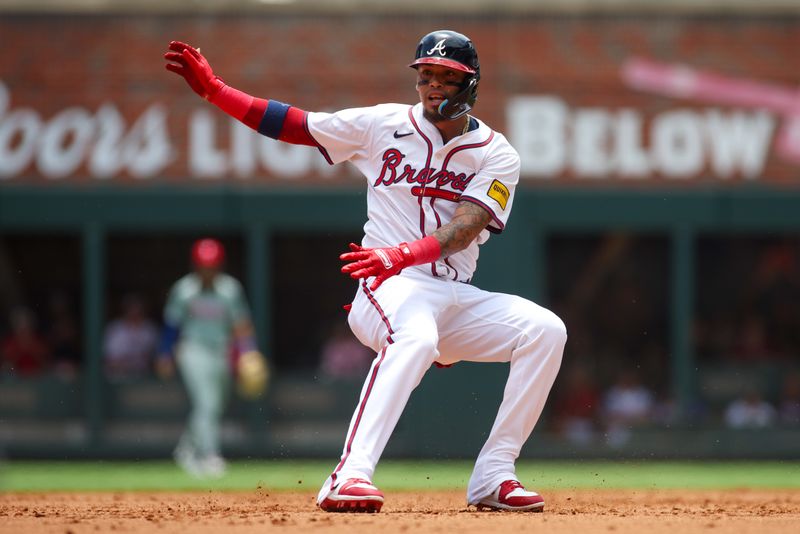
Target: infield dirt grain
(579,511)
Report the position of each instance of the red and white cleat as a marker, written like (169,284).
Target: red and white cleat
(353,495)
(511,495)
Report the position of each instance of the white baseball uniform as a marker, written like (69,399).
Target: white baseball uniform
(430,313)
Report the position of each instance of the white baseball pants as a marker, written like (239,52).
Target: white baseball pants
(413,320)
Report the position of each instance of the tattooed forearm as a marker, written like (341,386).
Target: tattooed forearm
(468,221)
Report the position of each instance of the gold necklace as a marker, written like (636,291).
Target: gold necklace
(465,129)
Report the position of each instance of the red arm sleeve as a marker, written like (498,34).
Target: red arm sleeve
(271,118)
(294,129)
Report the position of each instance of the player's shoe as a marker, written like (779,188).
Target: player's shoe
(511,495)
(213,466)
(353,495)
(186,458)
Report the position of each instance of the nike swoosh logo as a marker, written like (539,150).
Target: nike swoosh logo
(399,135)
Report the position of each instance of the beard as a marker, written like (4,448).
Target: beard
(433,116)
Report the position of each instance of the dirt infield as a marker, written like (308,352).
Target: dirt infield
(578,511)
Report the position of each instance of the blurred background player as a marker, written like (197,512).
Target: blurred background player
(206,318)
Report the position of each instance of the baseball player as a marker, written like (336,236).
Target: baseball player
(439,183)
(205,313)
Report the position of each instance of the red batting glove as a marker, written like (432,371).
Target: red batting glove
(378,262)
(383,263)
(190,63)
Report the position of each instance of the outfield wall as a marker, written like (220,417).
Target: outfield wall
(305,414)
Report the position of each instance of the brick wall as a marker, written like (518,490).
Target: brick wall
(53,63)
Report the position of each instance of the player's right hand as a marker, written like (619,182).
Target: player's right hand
(382,263)
(164,367)
(190,63)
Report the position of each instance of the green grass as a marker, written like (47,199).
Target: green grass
(283,475)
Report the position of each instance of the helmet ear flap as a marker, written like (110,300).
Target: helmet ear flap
(462,103)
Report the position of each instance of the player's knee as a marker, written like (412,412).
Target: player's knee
(557,330)
(551,330)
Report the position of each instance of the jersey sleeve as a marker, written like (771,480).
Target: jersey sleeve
(343,135)
(238,303)
(494,184)
(175,309)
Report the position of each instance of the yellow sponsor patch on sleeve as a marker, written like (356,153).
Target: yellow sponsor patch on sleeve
(499,192)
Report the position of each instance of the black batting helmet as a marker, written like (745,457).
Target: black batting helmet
(454,50)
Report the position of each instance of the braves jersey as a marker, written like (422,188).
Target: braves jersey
(415,181)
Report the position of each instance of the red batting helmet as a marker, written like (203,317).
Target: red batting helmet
(208,253)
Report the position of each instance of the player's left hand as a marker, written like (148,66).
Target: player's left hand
(252,374)
(195,69)
(381,263)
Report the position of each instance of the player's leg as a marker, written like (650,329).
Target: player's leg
(217,385)
(399,322)
(186,451)
(205,376)
(494,327)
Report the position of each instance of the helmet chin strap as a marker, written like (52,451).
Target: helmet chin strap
(460,104)
(454,111)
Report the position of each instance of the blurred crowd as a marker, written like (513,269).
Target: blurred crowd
(589,402)
(130,342)
(616,372)
(616,375)
(31,346)
(585,413)
(51,343)
(756,322)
